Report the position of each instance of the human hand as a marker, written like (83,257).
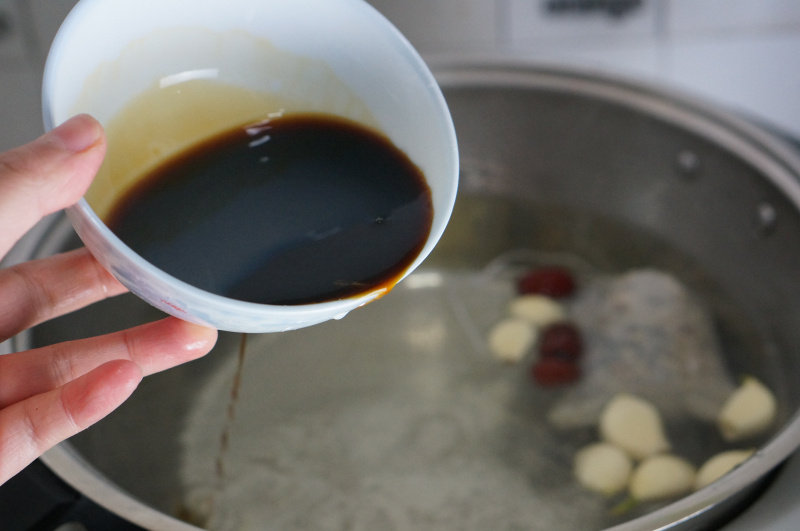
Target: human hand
(51,393)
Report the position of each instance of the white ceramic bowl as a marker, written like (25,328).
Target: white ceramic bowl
(337,56)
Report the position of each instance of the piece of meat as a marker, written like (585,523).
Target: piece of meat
(645,334)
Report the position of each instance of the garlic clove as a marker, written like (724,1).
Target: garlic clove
(719,465)
(510,339)
(633,424)
(749,411)
(539,310)
(603,468)
(660,477)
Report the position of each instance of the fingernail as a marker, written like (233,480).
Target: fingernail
(79,133)
(205,340)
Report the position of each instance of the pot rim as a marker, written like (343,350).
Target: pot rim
(760,147)
(775,159)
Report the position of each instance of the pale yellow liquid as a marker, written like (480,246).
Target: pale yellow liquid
(169,116)
(162,122)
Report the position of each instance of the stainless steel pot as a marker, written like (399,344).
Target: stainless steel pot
(392,417)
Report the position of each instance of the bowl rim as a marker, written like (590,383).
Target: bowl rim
(181,299)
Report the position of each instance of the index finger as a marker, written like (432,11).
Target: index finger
(46,175)
(30,427)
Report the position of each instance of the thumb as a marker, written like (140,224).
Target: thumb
(48,174)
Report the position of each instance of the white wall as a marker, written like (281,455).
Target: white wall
(742,53)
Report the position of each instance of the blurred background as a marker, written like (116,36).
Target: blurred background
(743,54)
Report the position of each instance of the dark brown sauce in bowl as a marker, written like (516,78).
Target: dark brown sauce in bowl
(300,209)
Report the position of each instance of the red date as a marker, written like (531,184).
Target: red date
(551,372)
(561,340)
(553,281)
